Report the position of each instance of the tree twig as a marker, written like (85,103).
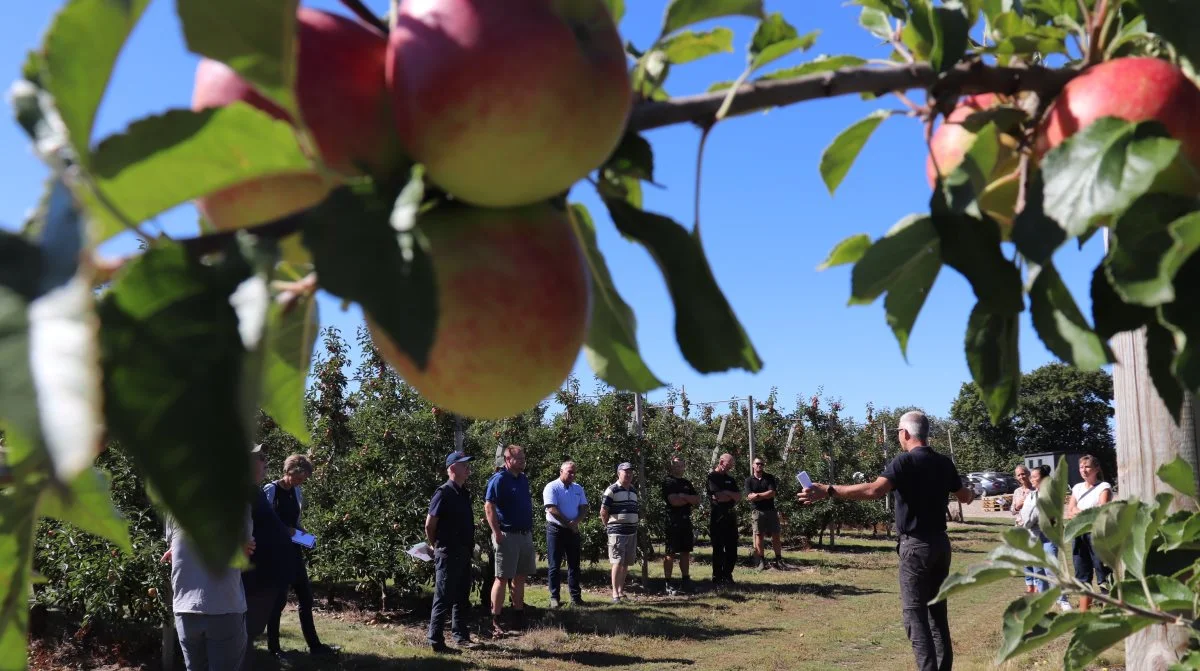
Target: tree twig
(702,109)
(363,12)
(966,78)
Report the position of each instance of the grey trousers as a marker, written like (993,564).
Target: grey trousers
(212,642)
(924,565)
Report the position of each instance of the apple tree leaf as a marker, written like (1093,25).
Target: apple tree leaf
(611,346)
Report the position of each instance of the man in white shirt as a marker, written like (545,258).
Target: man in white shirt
(566,506)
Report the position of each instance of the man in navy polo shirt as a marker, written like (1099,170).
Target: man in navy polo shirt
(450,531)
(922,479)
(509,509)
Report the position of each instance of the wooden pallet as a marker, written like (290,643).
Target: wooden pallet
(996,503)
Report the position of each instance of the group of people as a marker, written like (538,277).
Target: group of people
(218,614)
(508,509)
(1091,492)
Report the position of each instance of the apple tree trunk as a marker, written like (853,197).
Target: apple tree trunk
(1148,437)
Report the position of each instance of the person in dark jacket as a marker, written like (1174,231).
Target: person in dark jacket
(287,500)
(272,569)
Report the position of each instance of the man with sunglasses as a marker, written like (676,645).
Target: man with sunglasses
(760,492)
(922,479)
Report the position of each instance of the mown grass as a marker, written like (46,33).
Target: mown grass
(834,609)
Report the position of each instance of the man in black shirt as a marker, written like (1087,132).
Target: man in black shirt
(922,480)
(450,531)
(680,496)
(723,494)
(760,492)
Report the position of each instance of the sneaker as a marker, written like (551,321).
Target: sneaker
(671,590)
(441,648)
(616,599)
(1064,605)
(778,564)
(497,630)
(554,602)
(577,601)
(466,644)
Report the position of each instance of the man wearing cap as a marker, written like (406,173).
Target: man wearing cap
(566,506)
(450,531)
(760,492)
(619,512)
(509,509)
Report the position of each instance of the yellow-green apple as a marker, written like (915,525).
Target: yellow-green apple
(514,301)
(1134,89)
(950,143)
(342,98)
(507,103)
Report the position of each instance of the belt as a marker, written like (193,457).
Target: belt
(516,531)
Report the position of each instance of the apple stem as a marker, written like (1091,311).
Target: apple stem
(361,11)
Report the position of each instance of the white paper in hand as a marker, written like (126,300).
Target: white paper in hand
(301,538)
(803,479)
(421,551)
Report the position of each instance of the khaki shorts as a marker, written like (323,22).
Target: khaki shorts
(515,555)
(765,522)
(622,549)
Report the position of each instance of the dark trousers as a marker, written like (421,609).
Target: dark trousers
(260,605)
(304,601)
(724,535)
(924,565)
(451,593)
(562,542)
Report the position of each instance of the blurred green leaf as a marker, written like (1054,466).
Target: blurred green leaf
(994,359)
(17,519)
(163,161)
(291,335)
(1180,475)
(775,38)
(611,346)
(840,155)
(87,504)
(1061,325)
(689,46)
(976,575)
(709,334)
(79,53)
(849,250)
(1148,245)
(683,13)
(1025,625)
(1094,635)
(1102,169)
(172,359)
(257,38)
(898,253)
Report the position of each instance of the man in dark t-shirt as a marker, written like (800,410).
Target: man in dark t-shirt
(922,480)
(450,533)
(723,494)
(680,496)
(760,492)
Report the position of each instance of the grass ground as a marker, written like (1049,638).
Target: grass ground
(834,609)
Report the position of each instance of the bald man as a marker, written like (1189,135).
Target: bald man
(723,495)
(566,506)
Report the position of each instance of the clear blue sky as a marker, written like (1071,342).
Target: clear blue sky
(767,219)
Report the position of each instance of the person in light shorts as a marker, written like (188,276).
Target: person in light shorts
(509,510)
(619,512)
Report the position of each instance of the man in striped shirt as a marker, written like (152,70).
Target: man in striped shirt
(619,512)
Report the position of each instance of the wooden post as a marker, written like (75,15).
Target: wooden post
(637,432)
(1147,437)
(750,425)
(950,439)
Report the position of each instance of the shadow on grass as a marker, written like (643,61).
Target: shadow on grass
(592,658)
(824,590)
(642,621)
(361,662)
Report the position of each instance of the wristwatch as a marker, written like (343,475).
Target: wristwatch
(830,491)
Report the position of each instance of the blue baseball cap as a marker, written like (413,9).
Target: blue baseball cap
(457,458)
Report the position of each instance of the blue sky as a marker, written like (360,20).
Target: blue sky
(767,218)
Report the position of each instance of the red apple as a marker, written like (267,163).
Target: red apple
(508,103)
(341,95)
(951,142)
(514,299)
(1134,89)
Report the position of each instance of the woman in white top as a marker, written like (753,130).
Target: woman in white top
(1092,492)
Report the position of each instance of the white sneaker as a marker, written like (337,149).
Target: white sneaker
(1064,606)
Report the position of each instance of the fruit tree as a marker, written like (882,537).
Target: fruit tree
(421,165)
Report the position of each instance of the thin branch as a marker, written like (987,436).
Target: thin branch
(966,78)
(361,11)
(702,109)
